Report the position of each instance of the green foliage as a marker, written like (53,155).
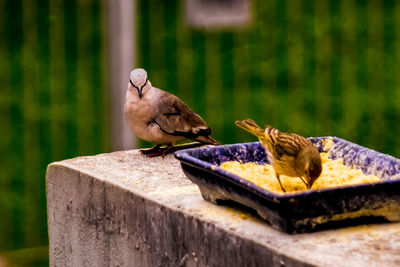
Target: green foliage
(38,256)
(52,104)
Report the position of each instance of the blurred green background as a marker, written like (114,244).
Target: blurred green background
(311,67)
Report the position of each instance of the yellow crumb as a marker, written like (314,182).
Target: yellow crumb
(327,143)
(334,174)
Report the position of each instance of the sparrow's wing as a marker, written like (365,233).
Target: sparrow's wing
(176,118)
(283,145)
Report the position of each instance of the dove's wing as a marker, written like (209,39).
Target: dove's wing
(176,118)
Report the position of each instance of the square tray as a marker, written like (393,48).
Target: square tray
(304,211)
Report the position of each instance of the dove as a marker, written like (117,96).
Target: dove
(161,118)
(289,154)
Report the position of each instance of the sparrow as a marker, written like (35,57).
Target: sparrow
(161,118)
(288,153)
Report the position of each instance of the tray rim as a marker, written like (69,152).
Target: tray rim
(185,157)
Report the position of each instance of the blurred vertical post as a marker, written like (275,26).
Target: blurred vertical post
(121,36)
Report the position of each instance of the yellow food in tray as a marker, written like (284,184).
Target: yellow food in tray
(334,174)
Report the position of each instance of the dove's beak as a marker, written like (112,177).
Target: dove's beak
(139,89)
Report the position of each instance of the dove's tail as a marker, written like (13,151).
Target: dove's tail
(208,140)
(252,127)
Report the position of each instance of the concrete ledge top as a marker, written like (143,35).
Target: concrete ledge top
(161,180)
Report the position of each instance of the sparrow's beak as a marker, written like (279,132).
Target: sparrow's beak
(310,182)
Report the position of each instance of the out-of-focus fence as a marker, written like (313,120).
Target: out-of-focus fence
(53,103)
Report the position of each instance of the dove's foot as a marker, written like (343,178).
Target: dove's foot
(154,150)
(157,150)
(160,152)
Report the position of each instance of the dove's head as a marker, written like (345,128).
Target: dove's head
(139,81)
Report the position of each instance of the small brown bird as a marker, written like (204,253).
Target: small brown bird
(289,154)
(161,118)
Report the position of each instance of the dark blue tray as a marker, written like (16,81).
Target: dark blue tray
(305,211)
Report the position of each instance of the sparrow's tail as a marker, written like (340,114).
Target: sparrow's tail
(252,127)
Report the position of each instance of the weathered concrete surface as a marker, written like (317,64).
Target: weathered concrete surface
(122,209)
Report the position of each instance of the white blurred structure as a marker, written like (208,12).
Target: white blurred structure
(121,17)
(217,13)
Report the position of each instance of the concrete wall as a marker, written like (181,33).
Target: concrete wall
(122,209)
